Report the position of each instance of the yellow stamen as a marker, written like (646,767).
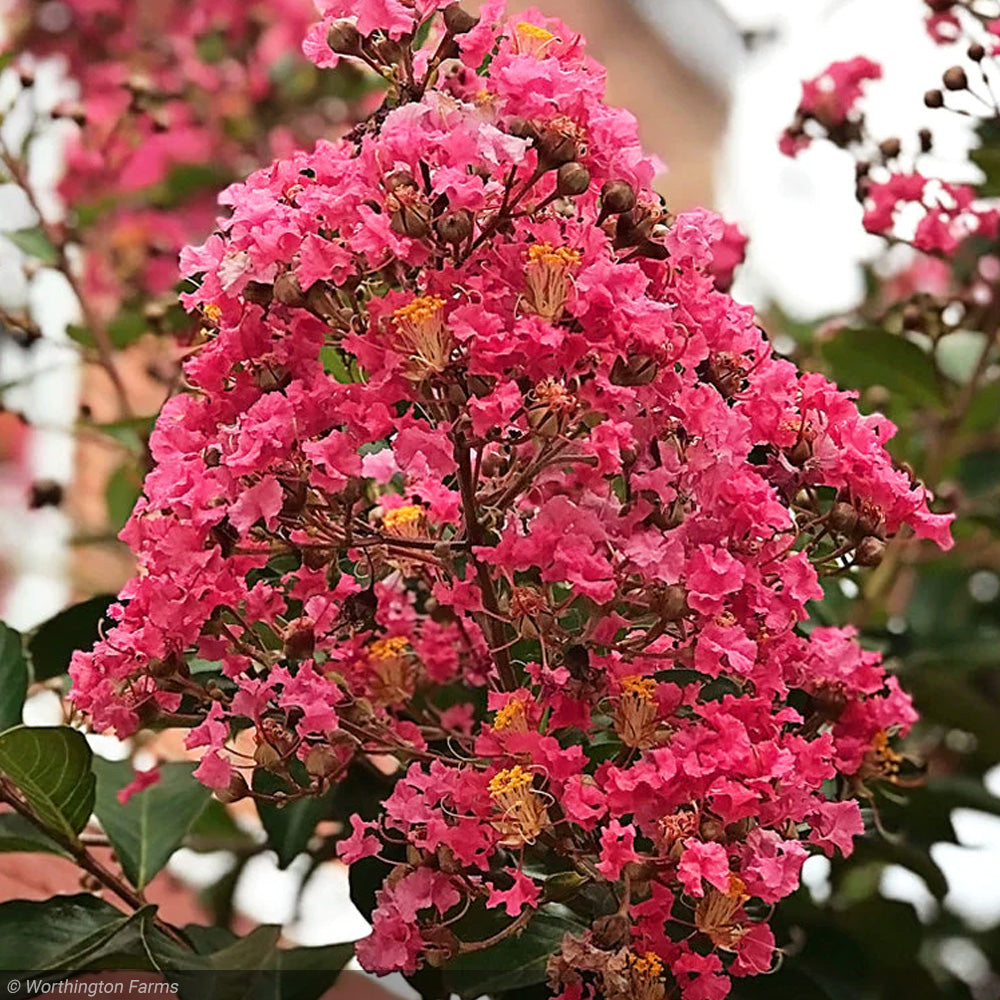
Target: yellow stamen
(636,711)
(395,674)
(213,312)
(643,688)
(645,976)
(405,522)
(715,914)
(422,335)
(547,279)
(513,717)
(530,39)
(523,815)
(387,649)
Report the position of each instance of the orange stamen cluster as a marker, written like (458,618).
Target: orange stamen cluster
(523,814)
(548,275)
(423,336)
(532,40)
(636,711)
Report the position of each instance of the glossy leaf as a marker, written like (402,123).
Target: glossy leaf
(78,627)
(51,768)
(289,827)
(515,962)
(67,932)
(862,358)
(34,243)
(18,835)
(13,677)
(147,830)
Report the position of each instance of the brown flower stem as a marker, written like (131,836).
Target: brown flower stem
(102,341)
(85,860)
(493,624)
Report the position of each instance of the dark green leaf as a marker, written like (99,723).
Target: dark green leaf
(147,830)
(987,158)
(67,932)
(515,962)
(120,495)
(864,358)
(53,643)
(50,766)
(13,677)
(982,412)
(908,856)
(34,243)
(979,471)
(17,835)
(132,433)
(289,827)
(126,328)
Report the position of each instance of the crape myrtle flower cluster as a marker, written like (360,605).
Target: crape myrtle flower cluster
(163,87)
(904,200)
(478,468)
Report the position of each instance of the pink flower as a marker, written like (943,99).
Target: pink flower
(617,849)
(141,781)
(703,862)
(524,892)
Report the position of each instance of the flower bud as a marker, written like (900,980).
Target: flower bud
(288,291)
(843,518)
(934,99)
(236,790)
(870,551)
(412,221)
(454,227)
(557,144)
(521,128)
(457,20)
(321,301)
(258,293)
(890,148)
(300,642)
(617,197)
(670,603)
(399,179)
(573,179)
(344,38)
(266,755)
(321,762)
(955,78)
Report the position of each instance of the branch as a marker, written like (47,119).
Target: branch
(85,860)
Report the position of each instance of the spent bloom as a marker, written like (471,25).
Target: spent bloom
(480,468)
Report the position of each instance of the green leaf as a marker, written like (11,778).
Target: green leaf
(50,766)
(987,158)
(13,677)
(67,932)
(250,968)
(120,496)
(34,243)
(53,643)
(862,358)
(17,835)
(131,433)
(983,410)
(908,856)
(126,328)
(147,830)
(517,961)
(289,827)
